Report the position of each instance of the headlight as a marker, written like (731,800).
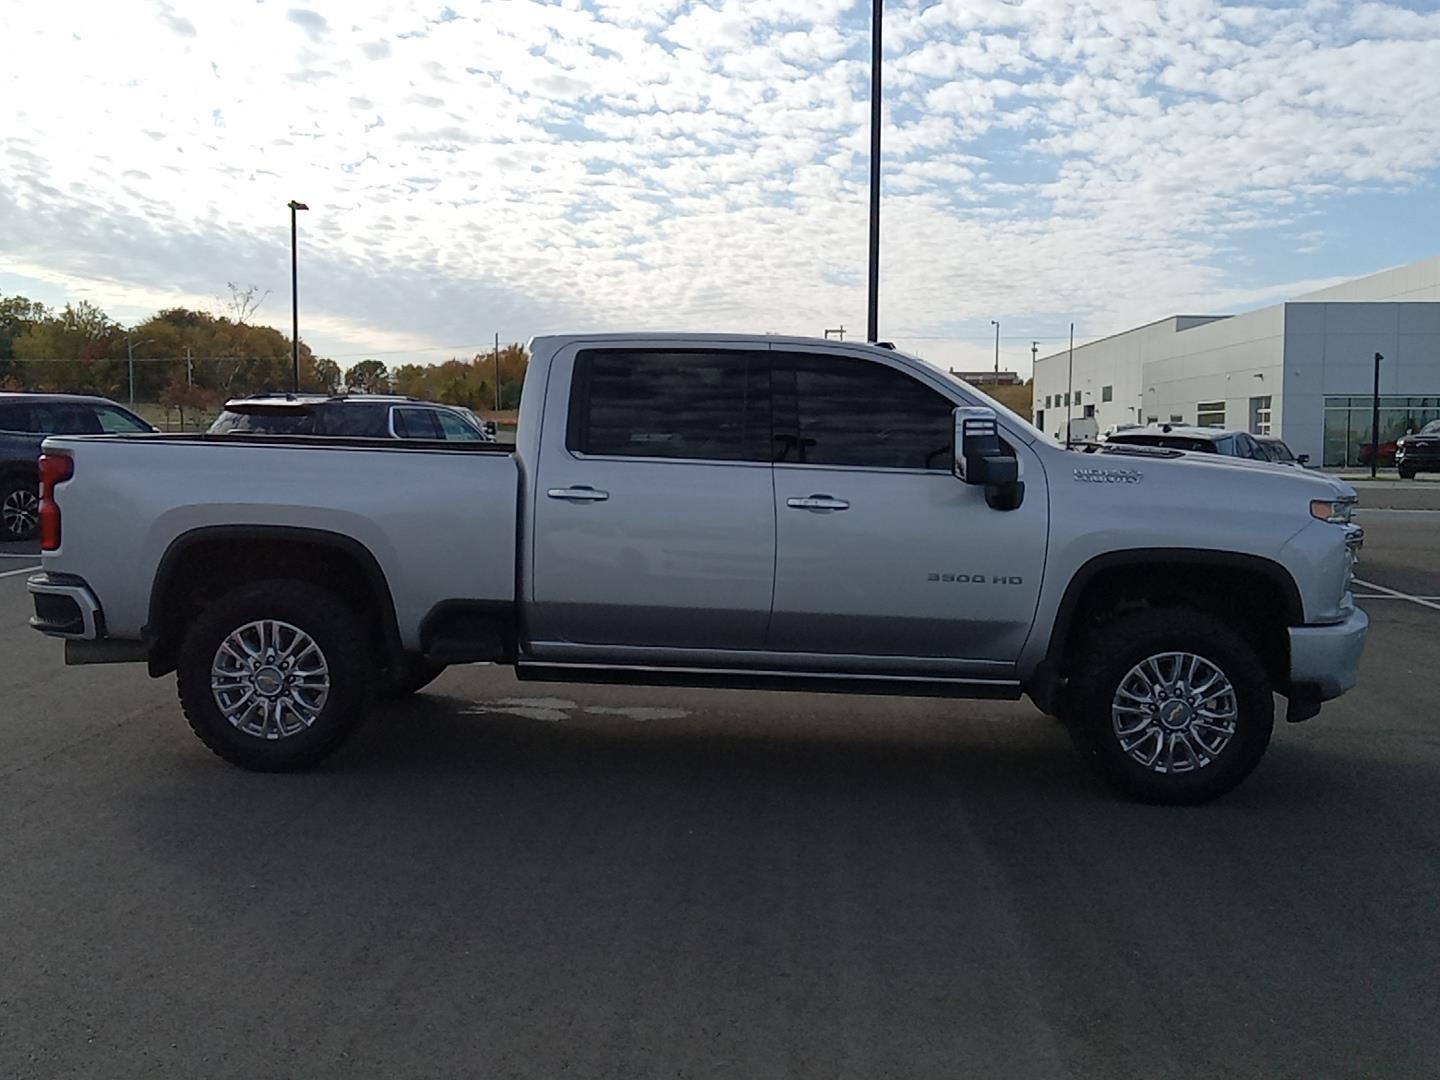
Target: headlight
(1335,511)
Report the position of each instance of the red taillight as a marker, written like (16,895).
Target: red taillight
(54,469)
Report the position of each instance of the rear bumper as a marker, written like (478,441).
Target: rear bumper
(1326,659)
(65,607)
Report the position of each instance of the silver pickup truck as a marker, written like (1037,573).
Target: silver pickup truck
(707,510)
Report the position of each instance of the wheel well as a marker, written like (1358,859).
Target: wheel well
(202,566)
(1254,597)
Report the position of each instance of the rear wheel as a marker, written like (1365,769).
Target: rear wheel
(19,509)
(1171,706)
(1407,474)
(274,676)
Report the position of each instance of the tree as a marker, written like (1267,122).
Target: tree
(368,377)
(321,376)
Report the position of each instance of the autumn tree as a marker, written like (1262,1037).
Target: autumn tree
(368,377)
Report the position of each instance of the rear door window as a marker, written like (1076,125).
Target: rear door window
(711,404)
(416,424)
(838,410)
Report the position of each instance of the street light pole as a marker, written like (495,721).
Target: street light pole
(877,8)
(294,302)
(1375,422)
(130,344)
(995,323)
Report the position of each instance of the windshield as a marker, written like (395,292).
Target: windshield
(1278,451)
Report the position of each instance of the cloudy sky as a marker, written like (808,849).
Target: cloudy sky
(527,167)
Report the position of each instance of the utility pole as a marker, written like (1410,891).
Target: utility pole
(877,8)
(1069,385)
(497,372)
(294,302)
(1034,355)
(996,323)
(1375,422)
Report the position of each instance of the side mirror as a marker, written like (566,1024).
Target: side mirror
(1303,459)
(981,458)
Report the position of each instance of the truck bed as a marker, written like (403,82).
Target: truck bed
(438,518)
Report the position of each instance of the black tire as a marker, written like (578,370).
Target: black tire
(18,496)
(333,628)
(1114,652)
(410,676)
(1407,474)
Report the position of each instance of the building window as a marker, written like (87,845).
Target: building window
(1047,401)
(1040,419)
(1210,414)
(1090,410)
(1176,418)
(1107,393)
(1260,415)
(1347,426)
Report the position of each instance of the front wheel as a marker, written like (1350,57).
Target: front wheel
(274,676)
(1171,706)
(1407,474)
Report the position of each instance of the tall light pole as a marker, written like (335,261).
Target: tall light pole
(294,302)
(877,8)
(1375,422)
(130,344)
(995,323)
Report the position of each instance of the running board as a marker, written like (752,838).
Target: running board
(810,682)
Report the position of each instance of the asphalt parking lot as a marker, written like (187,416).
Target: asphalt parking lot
(507,879)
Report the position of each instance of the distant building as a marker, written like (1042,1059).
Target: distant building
(1302,370)
(988,378)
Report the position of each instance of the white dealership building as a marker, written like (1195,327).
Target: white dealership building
(1303,370)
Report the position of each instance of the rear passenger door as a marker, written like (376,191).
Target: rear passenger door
(654,524)
(884,560)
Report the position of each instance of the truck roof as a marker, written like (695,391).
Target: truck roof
(663,336)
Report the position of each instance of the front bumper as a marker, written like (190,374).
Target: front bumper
(1326,659)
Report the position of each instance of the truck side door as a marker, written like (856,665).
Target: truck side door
(654,522)
(881,553)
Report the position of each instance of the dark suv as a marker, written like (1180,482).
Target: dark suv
(25,420)
(366,416)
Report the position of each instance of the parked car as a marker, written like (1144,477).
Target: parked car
(25,421)
(1276,450)
(1199,440)
(745,511)
(374,416)
(1419,452)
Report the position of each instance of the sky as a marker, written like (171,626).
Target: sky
(519,167)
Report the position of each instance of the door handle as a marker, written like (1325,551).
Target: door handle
(579,493)
(818,502)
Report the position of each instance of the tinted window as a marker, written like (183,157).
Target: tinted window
(355,421)
(65,419)
(846,411)
(278,422)
(711,405)
(415,424)
(115,421)
(14,416)
(1227,447)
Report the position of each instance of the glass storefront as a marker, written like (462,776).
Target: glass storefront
(1348,420)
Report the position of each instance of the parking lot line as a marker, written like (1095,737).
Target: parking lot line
(22,570)
(1398,595)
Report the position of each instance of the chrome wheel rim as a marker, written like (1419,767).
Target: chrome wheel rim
(21,511)
(1174,712)
(270,679)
